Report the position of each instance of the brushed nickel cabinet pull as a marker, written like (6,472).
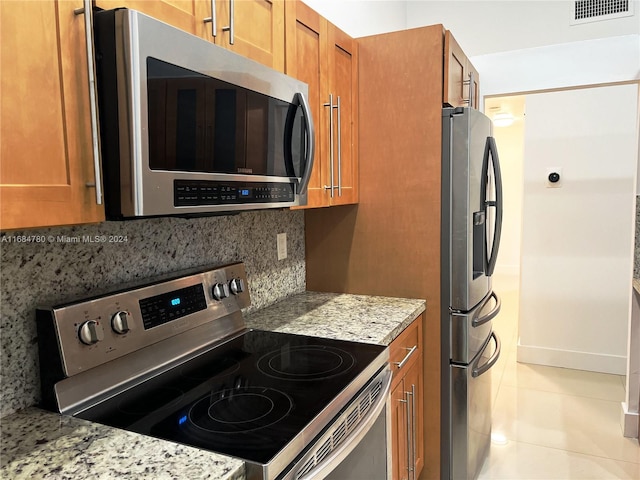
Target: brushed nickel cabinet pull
(406,358)
(212,19)
(93,102)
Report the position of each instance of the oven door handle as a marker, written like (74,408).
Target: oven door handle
(331,461)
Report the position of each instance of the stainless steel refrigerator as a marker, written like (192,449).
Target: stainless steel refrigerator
(471,226)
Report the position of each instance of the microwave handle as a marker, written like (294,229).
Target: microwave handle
(311,143)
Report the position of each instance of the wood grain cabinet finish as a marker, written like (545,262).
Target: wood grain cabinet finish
(389,244)
(461,79)
(257,27)
(179,13)
(407,403)
(46,157)
(323,56)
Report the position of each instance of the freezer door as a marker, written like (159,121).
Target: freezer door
(471,412)
(470,330)
(471,188)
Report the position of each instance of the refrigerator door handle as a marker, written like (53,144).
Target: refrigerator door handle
(476,322)
(491,148)
(477,371)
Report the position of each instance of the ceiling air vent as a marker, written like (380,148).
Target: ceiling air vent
(595,10)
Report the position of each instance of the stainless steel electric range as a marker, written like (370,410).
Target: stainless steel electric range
(172,359)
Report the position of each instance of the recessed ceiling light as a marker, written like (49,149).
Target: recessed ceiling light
(503,119)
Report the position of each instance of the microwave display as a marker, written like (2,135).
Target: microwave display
(197,123)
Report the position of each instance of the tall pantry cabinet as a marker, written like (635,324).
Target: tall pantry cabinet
(389,244)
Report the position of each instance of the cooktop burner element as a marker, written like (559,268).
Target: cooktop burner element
(242,410)
(306,363)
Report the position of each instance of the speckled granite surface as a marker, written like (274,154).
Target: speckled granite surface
(63,266)
(43,445)
(358,318)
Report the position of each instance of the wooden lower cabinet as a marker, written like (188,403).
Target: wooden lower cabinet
(407,404)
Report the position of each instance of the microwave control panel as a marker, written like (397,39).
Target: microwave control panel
(190,193)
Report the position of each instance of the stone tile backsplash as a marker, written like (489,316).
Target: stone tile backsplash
(64,265)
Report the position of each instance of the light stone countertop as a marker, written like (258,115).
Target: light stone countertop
(37,444)
(357,318)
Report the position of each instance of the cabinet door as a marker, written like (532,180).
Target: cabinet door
(306,31)
(179,13)
(258,28)
(343,84)
(461,79)
(399,432)
(46,156)
(413,388)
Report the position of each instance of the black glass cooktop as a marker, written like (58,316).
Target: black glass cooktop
(247,398)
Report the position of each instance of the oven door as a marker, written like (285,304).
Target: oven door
(354,444)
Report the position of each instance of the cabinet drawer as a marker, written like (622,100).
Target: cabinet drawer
(406,348)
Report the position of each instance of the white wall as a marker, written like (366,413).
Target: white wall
(482,26)
(360,18)
(577,240)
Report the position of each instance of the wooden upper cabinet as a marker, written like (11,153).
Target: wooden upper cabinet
(324,57)
(46,155)
(258,28)
(461,79)
(179,13)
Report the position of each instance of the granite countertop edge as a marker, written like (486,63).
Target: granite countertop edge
(40,444)
(340,316)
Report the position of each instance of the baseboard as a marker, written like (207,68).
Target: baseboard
(592,362)
(629,421)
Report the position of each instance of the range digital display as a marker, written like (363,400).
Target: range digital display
(172,305)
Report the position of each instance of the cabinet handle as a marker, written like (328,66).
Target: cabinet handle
(469,100)
(212,19)
(339,151)
(406,358)
(409,436)
(93,103)
(413,430)
(331,173)
(229,27)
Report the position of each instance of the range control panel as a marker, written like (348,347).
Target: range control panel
(100,329)
(190,193)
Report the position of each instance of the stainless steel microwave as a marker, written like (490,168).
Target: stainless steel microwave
(190,128)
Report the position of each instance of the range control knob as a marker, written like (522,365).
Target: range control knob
(220,291)
(90,332)
(236,286)
(120,322)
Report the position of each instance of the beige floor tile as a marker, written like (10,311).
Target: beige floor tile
(563,380)
(577,424)
(515,460)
